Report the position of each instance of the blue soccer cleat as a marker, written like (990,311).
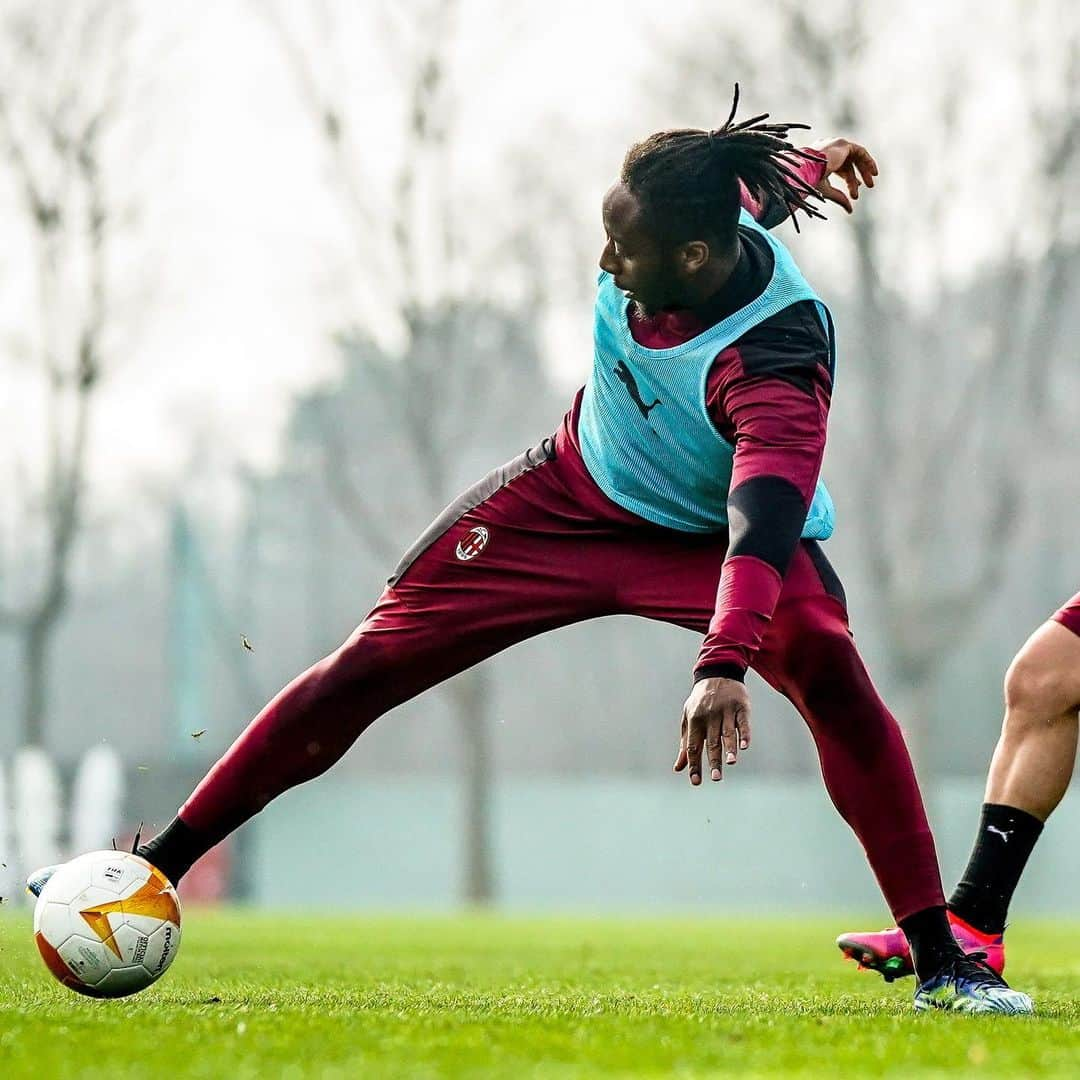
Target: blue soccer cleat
(38,879)
(968,984)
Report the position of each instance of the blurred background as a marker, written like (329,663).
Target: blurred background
(278,280)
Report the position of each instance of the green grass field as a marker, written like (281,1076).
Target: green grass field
(318,996)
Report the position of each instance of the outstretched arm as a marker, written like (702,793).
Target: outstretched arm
(770,395)
(848,160)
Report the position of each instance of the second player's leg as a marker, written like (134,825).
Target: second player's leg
(1034,759)
(1030,771)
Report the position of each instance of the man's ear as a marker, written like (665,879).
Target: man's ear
(692,256)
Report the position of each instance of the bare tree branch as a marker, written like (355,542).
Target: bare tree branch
(356,510)
(418,226)
(328,115)
(69,91)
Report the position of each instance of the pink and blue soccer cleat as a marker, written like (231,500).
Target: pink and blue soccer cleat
(39,878)
(968,984)
(887,952)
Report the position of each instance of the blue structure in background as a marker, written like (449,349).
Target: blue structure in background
(189,635)
(581,844)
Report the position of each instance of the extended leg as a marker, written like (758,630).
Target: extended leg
(509,560)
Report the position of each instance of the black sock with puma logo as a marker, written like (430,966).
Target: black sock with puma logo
(1003,843)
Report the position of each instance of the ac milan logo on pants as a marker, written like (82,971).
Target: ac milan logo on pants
(475,542)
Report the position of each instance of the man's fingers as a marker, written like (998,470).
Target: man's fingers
(680,757)
(715,747)
(865,163)
(742,722)
(847,171)
(730,737)
(836,195)
(711,726)
(694,740)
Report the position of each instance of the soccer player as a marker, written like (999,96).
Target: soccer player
(1031,768)
(681,486)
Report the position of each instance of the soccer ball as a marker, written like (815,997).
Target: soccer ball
(107,924)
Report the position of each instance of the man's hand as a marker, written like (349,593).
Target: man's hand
(852,163)
(716,717)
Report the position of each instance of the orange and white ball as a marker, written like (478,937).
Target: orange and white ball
(107,924)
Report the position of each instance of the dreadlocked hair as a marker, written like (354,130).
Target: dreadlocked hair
(688,179)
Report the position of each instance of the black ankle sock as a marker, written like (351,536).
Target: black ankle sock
(175,849)
(1002,846)
(931,940)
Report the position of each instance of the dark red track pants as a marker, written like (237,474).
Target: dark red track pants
(535,546)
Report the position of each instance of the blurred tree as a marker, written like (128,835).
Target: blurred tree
(939,450)
(62,76)
(391,440)
(418,271)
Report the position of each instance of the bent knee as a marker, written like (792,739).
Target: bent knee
(824,666)
(1037,692)
(827,646)
(348,669)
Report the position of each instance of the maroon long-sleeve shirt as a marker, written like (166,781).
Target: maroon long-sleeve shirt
(768,393)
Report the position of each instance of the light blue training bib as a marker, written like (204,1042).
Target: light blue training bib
(646,435)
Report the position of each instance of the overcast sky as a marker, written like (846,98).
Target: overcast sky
(234,276)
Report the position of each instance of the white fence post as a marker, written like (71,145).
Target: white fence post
(38,809)
(96,799)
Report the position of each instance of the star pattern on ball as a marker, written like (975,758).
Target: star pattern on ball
(154,897)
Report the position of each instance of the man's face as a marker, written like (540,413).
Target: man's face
(633,255)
